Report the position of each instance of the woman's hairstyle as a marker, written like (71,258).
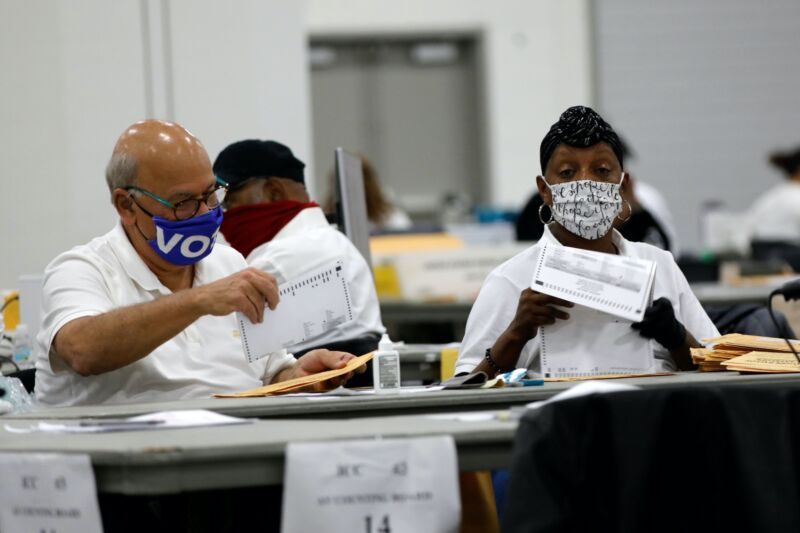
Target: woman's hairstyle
(788,162)
(378,208)
(580,127)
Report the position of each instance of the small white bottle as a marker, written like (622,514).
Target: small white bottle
(386,367)
(22,346)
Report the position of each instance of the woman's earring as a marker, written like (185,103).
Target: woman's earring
(630,212)
(540,215)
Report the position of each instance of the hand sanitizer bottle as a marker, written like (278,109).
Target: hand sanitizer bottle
(22,346)
(386,367)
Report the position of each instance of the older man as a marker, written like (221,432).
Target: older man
(145,312)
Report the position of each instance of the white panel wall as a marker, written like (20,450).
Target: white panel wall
(240,71)
(71,80)
(703,91)
(537,61)
(74,75)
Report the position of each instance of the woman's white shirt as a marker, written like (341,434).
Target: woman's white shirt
(496,305)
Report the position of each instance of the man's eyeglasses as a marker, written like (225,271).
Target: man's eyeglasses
(188,208)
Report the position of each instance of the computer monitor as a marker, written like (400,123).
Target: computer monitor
(351,202)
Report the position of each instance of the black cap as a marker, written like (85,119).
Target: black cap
(243,160)
(580,127)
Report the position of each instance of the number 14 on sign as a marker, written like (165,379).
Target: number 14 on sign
(382,525)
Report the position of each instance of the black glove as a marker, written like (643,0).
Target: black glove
(659,323)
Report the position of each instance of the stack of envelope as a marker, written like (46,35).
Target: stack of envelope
(764,362)
(708,361)
(746,353)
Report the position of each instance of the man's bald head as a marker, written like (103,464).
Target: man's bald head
(154,154)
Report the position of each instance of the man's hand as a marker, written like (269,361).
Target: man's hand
(247,291)
(317,361)
(533,310)
(659,323)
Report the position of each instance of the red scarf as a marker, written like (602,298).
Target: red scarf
(249,226)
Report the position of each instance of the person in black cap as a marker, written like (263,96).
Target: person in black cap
(582,185)
(270,220)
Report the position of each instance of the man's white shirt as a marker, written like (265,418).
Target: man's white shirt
(107,274)
(496,305)
(307,243)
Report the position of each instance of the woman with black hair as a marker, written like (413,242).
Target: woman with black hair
(583,185)
(650,220)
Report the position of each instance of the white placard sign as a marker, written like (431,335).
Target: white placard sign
(48,493)
(372,486)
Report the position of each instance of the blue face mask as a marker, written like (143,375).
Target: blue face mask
(185,242)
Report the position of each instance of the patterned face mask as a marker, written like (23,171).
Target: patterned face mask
(586,208)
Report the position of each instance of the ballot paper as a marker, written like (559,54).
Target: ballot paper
(309,306)
(615,284)
(595,377)
(374,486)
(591,343)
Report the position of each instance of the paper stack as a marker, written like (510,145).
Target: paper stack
(710,360)
(746,353)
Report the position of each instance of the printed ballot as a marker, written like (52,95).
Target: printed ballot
(593,344)
(610,292)
(309,306)
(614,284)
(48,492)
(374,486)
